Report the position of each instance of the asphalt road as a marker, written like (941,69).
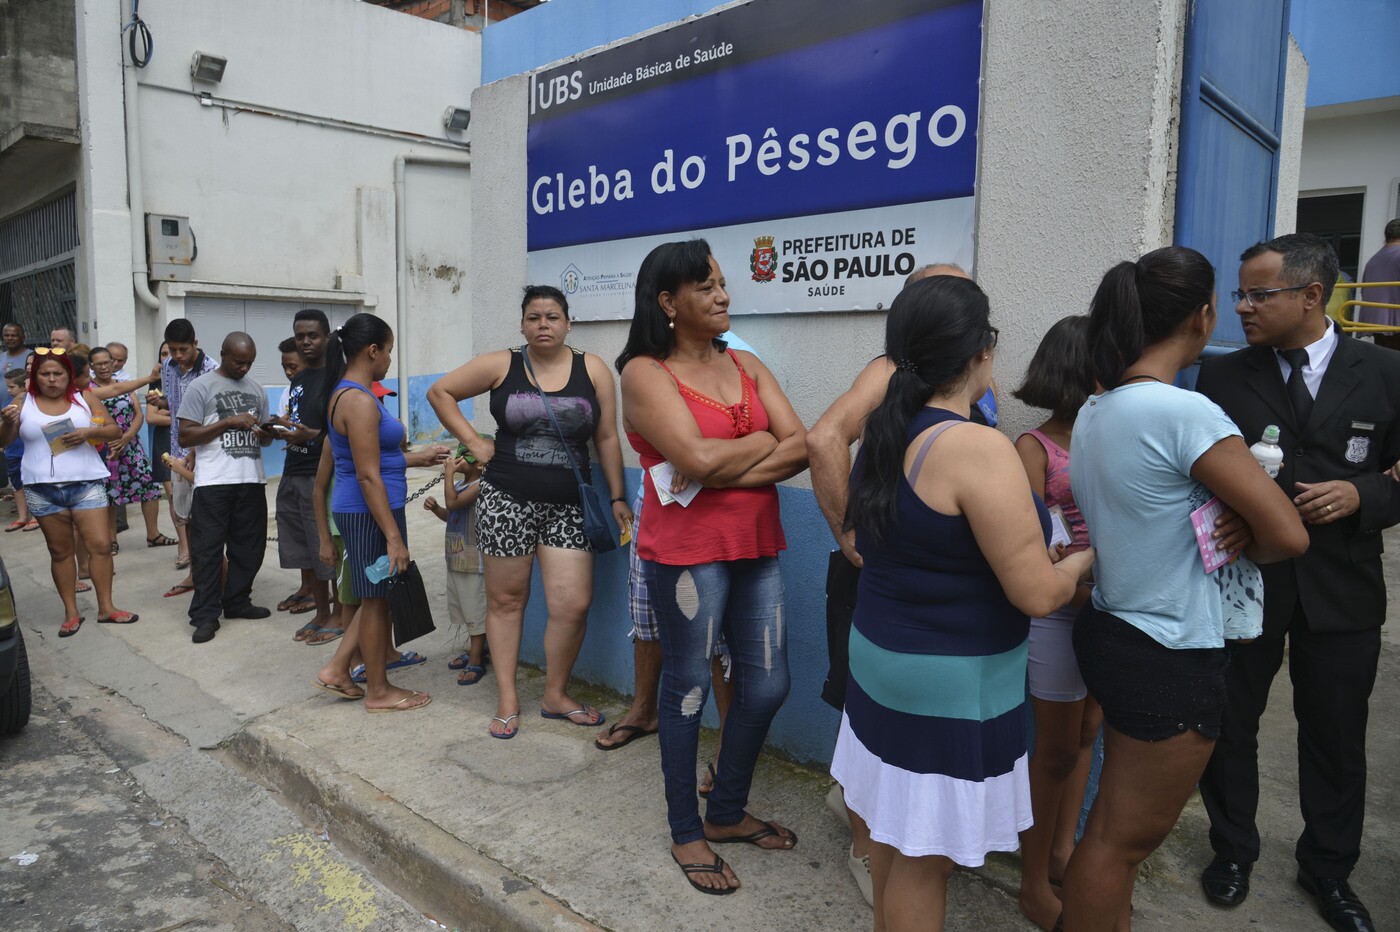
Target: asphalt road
(83,847)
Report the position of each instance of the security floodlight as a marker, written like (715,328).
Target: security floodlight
(457,117)
(206,67)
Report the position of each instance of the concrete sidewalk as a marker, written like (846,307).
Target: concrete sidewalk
(545,831)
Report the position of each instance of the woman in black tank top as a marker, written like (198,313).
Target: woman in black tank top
(529,498)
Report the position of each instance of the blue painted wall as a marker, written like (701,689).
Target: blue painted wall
(1351,47)
(805,729)
(563,28)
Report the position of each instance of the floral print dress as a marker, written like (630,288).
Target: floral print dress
(131,482)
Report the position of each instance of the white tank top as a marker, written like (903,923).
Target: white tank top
(40,464)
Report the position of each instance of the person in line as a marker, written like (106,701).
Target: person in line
(292,366)
(159,420)
(1332,399)
(1384,266)
(15,380)
(1067,720)
(64,477)
(185,363)
(529,504)
(829,450)
(220,418)
(131,481)
(466,586)
(932,747)
(297,539)
(120,354)
(1151,641)
(63,338)
(15,354)
(719,419)
(367,501)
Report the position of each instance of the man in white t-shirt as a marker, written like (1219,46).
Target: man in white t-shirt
(220,417)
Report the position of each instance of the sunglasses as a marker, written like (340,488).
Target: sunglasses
(49,351)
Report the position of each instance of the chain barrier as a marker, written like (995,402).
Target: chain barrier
(272,539)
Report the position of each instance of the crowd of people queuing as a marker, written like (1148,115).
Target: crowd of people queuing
(980,587)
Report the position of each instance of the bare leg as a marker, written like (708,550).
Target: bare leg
(1057,729)
(91,525)
(374,635)
(910,893)
(150,513)
(84,557)
(568,590)
(59,534)
(646,663)
(336,671)
(22,508)
(1072,803)
(1144,786)
(507,591)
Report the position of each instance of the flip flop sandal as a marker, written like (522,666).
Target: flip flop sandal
(296,598)
(180,589)
(506,722)
(769,830)
(344,692)
(303,606)
(630,733)
(335,635)
(400,707)
(461,660)
(715,868)
(564,717)
(70,627)
(33,525)
(305,632)
(120,618)
(408,658)
(160,540)
(479,670)
(705,793)
(82,587)
(182,563)
(116,548)
(15,526)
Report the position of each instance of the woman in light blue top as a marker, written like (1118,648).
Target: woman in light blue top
(1150,643)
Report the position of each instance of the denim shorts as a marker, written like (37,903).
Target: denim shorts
(50,498)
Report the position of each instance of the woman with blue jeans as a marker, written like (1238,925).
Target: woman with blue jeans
(720,420)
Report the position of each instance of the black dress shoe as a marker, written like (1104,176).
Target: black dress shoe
(1226,882)
(1338,903)
(247,611)
(205,632)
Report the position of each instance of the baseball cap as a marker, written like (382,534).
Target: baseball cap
(380,391)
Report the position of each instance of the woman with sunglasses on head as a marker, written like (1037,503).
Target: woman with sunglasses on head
(64,478)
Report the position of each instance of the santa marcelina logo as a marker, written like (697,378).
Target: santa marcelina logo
(763,262)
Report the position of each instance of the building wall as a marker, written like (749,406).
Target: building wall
(287,174)
(1065,190)
(1350,153)
(1290,161)
(38,77)
(1351,47)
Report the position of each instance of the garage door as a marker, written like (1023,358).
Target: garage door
(268,322)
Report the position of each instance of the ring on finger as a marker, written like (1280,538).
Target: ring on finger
(1329,509)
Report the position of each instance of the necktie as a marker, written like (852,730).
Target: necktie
(1297,388)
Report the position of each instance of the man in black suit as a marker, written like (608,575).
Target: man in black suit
(1334,400)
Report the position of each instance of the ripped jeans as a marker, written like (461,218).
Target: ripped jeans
(744,599)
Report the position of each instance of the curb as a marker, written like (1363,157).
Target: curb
(413,857)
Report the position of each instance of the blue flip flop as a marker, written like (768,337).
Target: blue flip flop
(564,716)
(407,658)
(479,670)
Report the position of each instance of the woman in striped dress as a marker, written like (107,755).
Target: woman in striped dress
(932,747)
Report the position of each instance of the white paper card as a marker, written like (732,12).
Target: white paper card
(661,476)
(1059,528)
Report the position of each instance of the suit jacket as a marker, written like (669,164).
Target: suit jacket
(1353,433)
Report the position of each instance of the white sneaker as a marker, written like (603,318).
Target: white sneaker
(860,870)
(836,802)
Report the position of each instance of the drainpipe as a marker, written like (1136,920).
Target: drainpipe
(401,164)
(135,194)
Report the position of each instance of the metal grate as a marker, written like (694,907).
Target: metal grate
(45,232)
(41,301)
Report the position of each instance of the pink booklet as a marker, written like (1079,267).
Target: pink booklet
(1203,522)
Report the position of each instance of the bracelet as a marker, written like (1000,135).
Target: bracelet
(614,501)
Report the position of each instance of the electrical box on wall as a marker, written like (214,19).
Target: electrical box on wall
(170,247)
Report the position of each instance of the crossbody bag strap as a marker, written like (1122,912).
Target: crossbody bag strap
(549,409)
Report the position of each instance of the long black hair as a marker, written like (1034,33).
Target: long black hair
(665,269)
(934,329)
(348,341)
(1059,378)
(1139,304)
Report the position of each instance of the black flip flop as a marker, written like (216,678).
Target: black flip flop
(633,732)
(769,830)
(715,868)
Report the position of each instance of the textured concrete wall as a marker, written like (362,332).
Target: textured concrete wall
(1078,159)
(1355,153)
(1290,161)
(38,75)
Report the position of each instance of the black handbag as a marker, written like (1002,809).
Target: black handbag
(408,605)
(598,524)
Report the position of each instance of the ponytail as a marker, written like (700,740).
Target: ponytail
(347,342)
(1115,325)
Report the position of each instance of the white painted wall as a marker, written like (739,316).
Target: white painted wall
(1290,157)
(288,177)
(1348,152)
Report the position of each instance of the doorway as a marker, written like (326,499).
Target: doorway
(1336,219)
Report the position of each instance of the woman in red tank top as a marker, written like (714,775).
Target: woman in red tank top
(720,421)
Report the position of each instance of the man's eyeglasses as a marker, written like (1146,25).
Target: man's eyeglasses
(50,351)
(1257,296)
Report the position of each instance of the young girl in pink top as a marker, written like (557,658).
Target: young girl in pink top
(1067,718)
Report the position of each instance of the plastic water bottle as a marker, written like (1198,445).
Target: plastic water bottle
(1268,452)
(380,570)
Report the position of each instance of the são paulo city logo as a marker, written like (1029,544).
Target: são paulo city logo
(763,261)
